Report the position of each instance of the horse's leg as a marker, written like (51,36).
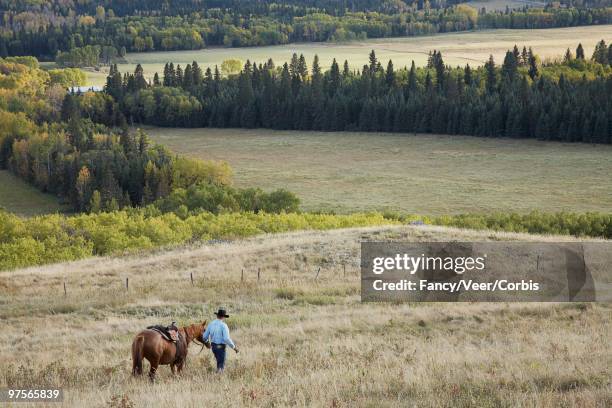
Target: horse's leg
(173,368)
(154,365)
(180,367)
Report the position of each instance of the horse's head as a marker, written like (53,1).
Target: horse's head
(194,331)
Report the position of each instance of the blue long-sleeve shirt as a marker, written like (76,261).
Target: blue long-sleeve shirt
(218,332)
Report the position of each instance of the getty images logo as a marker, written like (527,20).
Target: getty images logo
(412,264)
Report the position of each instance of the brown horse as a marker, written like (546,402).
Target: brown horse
(151,345)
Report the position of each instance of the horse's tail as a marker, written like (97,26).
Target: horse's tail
(137,355)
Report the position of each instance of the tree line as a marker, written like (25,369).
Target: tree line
(289,8)
(52,139)
(567,100)
(56,238)
(69,32)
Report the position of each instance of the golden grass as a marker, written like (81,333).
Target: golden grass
(424,174)
(500,5)
(304,342)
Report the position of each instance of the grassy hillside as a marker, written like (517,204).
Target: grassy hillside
(458,49)
(19,197)
(304,342)
(425,174)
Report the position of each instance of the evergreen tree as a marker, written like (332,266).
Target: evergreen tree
(139,79)
(178,76)
(491,77)
(533,65)
(245,89)
(317,77)
(302,68)
(334,78)
(196,74)
(601,53)
(412,80)
(580,52)
(294,67)
(389,74)
(509,68)
(169,75)
(285,84)
(187,77)
(524,57)
(373,62)
(516,54)
(438,64)
(346,72)
(467,75)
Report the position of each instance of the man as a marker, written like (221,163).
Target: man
(217,333)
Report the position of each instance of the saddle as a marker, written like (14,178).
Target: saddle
(167,334)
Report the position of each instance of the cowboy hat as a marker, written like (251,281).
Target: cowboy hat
(222,313)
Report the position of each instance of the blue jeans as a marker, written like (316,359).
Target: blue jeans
(219,352)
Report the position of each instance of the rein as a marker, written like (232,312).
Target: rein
(195,340)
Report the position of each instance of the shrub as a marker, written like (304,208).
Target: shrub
(55,238)
(216,198)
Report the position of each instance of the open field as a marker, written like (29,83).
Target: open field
(457,48)
(500,5)
(424,174)
(304,342)
(19,197)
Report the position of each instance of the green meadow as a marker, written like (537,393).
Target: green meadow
(422,174)
(21,198)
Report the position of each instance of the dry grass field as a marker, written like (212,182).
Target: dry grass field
(304,342)
(424,174)
(19,197)
(500,5)
(457,48)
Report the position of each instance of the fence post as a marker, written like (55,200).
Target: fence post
(258,274)
(242,275)
(127,283)
(191,276)
(65,293)
(317,276)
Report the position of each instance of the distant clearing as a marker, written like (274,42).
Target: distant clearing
(500,5)
(457,49)
(23,199)
(425,174)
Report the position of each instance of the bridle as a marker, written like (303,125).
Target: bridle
(197,341)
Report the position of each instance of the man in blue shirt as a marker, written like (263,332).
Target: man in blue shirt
(217,333)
